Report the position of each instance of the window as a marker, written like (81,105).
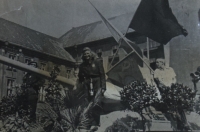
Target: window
(43,66)
(9,68)
(155,53)
(10,84)
(114,49)
(153,44)
(27,60)
(69,72)
(99,53)
(11,56)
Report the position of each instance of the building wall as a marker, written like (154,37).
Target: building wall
(185,51)
(8,73)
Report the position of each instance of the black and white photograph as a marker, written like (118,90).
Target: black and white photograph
(99,65)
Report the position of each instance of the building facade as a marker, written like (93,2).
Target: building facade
(25,45)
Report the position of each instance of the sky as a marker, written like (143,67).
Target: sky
(56,17)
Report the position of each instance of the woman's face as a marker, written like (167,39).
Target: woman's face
(87,55)
(159,64)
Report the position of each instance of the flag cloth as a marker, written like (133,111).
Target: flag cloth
(125,71)
(154,19)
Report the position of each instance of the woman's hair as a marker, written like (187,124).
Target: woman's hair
(161,60)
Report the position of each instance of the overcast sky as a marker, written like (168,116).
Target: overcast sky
(56,17)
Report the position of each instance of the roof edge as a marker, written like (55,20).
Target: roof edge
(15,44)
(100,21)
(28,28)
(94,40)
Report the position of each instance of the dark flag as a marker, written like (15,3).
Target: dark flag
(154,19)
(125,71)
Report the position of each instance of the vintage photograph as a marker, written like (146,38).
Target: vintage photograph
(99,65)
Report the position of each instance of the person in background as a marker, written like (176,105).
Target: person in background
(195,79)
(92,78)
(164,75)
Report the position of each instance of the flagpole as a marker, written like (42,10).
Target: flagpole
(118,42)
(122,37)
(139,56)
(120,61)
(119,46)
(148,48)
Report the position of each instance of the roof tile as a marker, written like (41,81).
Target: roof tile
(32,40)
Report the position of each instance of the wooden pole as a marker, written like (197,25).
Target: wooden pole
(148,48)
(120,61)
(118,36)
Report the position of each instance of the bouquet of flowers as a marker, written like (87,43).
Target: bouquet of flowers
(178,97)
(138,95)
